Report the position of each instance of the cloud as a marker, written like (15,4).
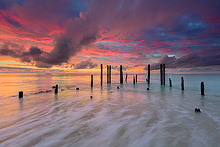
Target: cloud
(187,61)
(16,51)
(81,23)
(63,50)
(85,65)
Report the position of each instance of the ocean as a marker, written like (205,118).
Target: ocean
(131,116)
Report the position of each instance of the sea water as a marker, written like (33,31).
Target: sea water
(130,116)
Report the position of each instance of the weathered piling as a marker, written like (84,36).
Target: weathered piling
(91,80)
(108,73)
(126,78)
(136,78)
(121,75)
(170,82)
(101,74)
(56,89)
(133,79)
(202,88)
(161,74)
(164,74)
(20,94)
(182,83)
(148,74)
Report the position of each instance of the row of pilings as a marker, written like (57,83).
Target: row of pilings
(121,75)
(162,79)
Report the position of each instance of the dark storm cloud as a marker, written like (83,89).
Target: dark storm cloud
(187,61)
(63,50)
(85,22)
(85,64)
(16,51)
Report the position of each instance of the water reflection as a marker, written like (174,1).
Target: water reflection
(115,117)
(20,104)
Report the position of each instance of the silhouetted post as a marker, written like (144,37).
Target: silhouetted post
(136,78)
(126,78)
(108,73)
(148,74)
(182,83)
(101,74)
(133,79)
(56,89)
(91,80)
(20,94)
(170,82)
(121,75)
(161,74)
(202,88)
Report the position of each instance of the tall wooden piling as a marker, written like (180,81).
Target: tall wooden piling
(56,89)
(182,83)
(126,78)
(133,79)
(121,75)
(20,94)
(170,82)
(161,74)
(148,74)
(91,80)
(108,73)
(164,74)
(202,88)
(136,78)
(101,74)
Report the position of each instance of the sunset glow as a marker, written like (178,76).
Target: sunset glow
(56,36)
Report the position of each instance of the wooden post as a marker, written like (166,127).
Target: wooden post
(91,80)
(164,74)
(170,82)
(161,74)
(136,78)
(110,74)
(101,74)
(133,79)
(20,94)
(107,73)
(56,89)
(148,74)
(121,75)
(182,83)
(202,88)
(126,78)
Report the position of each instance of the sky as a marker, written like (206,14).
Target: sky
(79,35)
